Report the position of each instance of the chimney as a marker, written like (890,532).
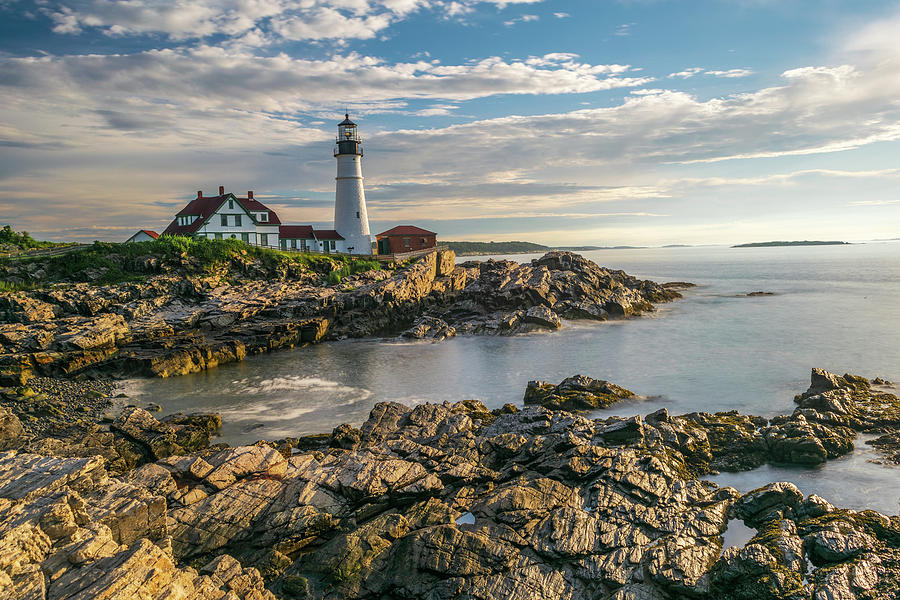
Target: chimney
(199,193)
(221,190)
(250,195)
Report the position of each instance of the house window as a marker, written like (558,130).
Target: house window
(233,236)
(406,242)
(218,236)
(423,241)
(245,237)
(294,244)
(230,204)
(224,220)
(332,244)
(264,217)
(264,239)
(237,220)
(302,245)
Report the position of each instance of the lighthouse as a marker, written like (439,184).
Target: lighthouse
(350,218)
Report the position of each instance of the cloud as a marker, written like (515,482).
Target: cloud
(561,15)
(730,74)
(123,135)
(259,22)
(687,73)
(521,19)
(624,30)
(177,94)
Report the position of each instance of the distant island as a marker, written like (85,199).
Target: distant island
(487,248)
(476,248)
(803,243)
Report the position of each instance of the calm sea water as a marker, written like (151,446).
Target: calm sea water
(836,307)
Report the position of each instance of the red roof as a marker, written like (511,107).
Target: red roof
(327,234)
(406,230)
(254,205)
(206,206)
(296,232)
(151,233)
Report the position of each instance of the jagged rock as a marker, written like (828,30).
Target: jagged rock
(542,316)
(822,381)
(760,504)
(238,463)
(63,536)
(575,393)
(175,324)
(177,435)
(836,546)
(429,328)
(445,500)
(10,429)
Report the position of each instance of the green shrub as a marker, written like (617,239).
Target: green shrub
(22,240)
(9,286)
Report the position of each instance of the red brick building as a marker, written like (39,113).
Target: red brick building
(405,238)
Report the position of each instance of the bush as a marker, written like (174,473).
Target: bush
(22,240)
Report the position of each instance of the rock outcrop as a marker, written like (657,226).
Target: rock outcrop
(174,324)
(69,531)
(84,420)
(575,393)
(442,501)
(830,415)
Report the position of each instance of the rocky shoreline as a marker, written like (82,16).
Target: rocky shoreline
(178,320)
(448,501)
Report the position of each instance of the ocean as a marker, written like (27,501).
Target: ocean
(835,307)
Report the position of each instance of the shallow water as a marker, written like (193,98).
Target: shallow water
(834,307)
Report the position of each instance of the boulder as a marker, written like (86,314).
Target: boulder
(11,429)
(543,317)
(575,393)
(762,503)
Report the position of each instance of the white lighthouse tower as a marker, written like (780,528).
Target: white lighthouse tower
(350,218)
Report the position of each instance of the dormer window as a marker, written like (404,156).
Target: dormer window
(264,217)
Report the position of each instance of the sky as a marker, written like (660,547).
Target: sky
(563,122)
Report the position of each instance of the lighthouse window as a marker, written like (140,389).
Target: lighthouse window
(357,214)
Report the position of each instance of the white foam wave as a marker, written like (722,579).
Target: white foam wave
(289,383)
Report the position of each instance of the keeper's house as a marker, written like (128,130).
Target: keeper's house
(405,238)
(227,216)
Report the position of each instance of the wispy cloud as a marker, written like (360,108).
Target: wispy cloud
(624,29)
(692,71)
(730,74)
(521,19)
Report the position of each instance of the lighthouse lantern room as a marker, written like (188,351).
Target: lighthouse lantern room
(350,217)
